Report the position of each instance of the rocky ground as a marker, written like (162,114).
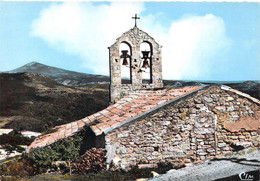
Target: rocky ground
(233,167)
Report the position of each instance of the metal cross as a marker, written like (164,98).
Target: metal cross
(135,18)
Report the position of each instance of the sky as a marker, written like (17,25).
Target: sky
(201,40)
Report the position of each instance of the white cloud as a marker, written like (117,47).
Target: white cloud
(193,46)
(85,29)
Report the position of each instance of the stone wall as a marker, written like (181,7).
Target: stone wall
(121,90)
(134,38)
(189,130)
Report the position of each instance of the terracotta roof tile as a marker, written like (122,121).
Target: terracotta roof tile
(81,123)
(86,120)
(117,111)
(128,108)
(103,118)
(68,126)
(96,129)
(67,134)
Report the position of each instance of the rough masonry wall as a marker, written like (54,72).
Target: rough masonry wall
(121,90)
(190,130)
(134,38)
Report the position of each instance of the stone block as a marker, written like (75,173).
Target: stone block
(177,137)
(210,150)
(221,108)
(220,145)
(203,120)
(123,134)
(234,115)
(241,137)
(155,153)
(201,153)
(230,108)
(149,157)
(229,98)
(204,130)
(122,150)
(166,123)
(214,97)
(197,100)
(244,144)
(193,111)
(149,149)
(139,150)
(145,166)
(208,99)
(199,106)
(202,157)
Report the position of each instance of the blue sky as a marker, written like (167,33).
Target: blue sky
(201,41)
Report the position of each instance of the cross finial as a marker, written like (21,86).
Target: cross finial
(136,17)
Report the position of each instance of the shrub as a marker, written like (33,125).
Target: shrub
(19,167)
(67,149)
(15,138)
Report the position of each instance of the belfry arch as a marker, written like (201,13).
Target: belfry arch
(126,73)
(138,62)
(146,48)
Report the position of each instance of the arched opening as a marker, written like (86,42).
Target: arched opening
(146,54)
(125,55)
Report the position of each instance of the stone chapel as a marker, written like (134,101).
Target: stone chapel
(149,124)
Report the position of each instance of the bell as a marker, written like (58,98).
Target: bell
(125,62)
(145,57)
(124,56)
(145,54)
(145,64)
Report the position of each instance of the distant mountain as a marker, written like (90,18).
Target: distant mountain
(62,76)
(249,87)
(72,78)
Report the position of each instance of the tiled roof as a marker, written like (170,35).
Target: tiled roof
(126,109)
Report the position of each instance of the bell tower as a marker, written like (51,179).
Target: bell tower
(135,63)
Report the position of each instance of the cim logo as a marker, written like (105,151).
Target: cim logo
(245,176)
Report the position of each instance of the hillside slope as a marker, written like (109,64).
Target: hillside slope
(60,75)
(249,87)
(36,103)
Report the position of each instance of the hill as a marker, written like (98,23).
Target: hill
(72,78)
(62,76)
(34,102)
(249,87)
(53,96)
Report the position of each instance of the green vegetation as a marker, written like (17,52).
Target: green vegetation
(67,150)
(133,174)
(15,138)
(12,141)
(41,159)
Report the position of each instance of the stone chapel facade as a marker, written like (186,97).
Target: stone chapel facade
(133,58)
